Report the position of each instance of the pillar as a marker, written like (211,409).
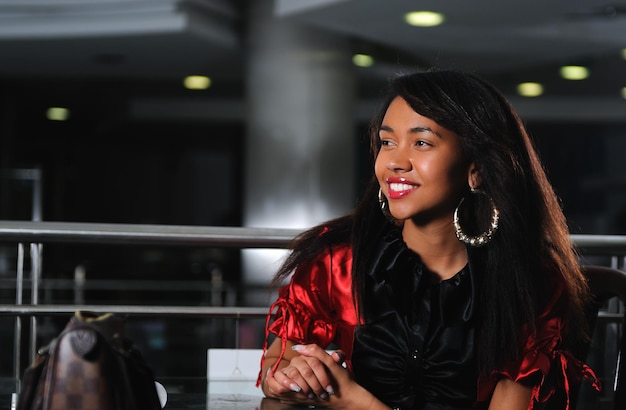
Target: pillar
(300,142)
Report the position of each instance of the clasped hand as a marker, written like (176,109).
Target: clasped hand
(312,377)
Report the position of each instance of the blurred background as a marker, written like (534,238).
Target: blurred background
(254,113)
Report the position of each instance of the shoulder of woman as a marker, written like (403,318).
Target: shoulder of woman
(332,262)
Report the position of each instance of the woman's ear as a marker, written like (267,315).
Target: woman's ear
(473,176)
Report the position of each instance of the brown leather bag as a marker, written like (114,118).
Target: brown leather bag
(90,365)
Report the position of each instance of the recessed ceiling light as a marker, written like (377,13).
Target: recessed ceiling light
(362,60)
(197,82)
(574,72)
(624,92)
(424,18)
(529,89)
(624,53)
(57,114)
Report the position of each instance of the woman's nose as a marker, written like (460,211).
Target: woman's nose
(399,161)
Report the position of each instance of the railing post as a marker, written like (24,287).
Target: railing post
(19,286)
(35,276)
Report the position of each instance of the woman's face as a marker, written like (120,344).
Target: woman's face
(420,166)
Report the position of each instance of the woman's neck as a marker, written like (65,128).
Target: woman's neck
(438,247)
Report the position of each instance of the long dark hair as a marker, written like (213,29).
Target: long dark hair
(532,246)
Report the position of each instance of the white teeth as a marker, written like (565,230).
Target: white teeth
(400,187)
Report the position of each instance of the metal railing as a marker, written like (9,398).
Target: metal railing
(135,234)
(271,238)
(30,237)
(35,234)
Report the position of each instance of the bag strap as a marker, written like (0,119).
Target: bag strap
(108,325)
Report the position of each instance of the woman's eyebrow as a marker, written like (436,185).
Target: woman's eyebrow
(420,129)
(413,130)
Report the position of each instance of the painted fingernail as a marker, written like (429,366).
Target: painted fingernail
(297,348)
(339,357)
(330,390)
(311,396)
(295,387)
(324,396)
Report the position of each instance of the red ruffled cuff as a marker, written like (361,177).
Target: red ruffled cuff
(545,368)
(293,322)
(545,373)
(568,370)
(316,306)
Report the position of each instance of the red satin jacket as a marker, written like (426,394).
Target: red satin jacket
(316,306)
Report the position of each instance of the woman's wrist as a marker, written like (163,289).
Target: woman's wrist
(359,398)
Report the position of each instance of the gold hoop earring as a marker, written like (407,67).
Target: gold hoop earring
(384,206)
(483,238)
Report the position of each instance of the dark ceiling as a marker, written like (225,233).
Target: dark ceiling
(148,45)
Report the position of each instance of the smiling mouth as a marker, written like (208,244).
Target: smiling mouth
(400,189)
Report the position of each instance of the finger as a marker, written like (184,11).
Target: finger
(318,378)
(339,357)
(279,383)
(319,360)
(311,375)
(337,372)
(301,373)
(284,394)
(315,351)
(287,381)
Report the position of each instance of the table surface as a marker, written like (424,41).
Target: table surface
(199,401)
(224,402)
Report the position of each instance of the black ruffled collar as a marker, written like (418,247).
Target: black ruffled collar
(397,274)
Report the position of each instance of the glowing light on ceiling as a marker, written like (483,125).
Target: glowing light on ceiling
(574,72)
(57,114)
(424,18)
(529,89)
(362,60)
(197,82)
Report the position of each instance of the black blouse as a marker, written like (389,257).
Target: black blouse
(415,349)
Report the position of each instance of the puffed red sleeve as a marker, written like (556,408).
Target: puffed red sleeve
(317,299)
(544,366)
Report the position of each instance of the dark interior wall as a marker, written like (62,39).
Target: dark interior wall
(585,163)
(136,173)
(103,167)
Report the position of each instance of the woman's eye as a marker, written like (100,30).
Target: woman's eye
(385,142)
(422,143)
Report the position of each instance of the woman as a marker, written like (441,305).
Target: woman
(453,283)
